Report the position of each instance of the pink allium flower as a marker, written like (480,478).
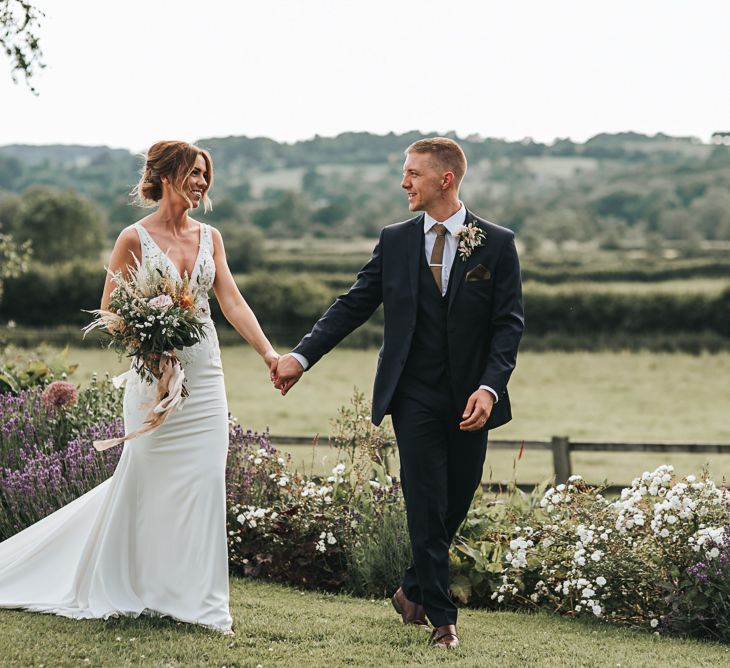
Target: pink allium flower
(60,393)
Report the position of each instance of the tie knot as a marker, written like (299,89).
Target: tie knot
(439,229)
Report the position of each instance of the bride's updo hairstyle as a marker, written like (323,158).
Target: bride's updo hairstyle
(176,161)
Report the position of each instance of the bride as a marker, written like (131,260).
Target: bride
(152,538)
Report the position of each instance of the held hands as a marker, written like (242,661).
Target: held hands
(477,411)
(271,360)
(286,374)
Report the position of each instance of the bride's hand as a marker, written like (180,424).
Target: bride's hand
(271,359)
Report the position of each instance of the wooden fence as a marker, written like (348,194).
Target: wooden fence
(561,447)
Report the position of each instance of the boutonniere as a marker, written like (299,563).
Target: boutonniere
(469,236)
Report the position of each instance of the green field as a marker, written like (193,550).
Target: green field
(291,178)
(279,626)
(587,396)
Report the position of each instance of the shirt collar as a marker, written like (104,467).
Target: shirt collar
(452,223)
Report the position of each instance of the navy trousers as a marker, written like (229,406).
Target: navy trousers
(441,468)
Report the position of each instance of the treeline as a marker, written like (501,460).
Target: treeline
(615,191)
(287,304)
(233,153)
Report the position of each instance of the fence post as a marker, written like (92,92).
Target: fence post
(561,459)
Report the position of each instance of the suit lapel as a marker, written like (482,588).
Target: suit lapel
(415,234)
(459,267)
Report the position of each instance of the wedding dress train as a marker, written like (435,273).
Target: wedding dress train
(152,538)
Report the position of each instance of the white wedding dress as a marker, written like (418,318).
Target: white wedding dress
(152,538)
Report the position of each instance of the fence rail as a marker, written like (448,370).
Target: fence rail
(560,446)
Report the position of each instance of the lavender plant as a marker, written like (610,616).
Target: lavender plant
(49,477)
(46,458)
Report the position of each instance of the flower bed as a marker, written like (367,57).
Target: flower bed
(344,531)
(46,457)
(657,557)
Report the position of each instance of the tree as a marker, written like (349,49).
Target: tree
(61,224)
(290,214)
(9,207)
(711,214)
(13,259)
(244,247)
(11,171)
(313,183)
(224,209)
(19,23)
(332,214)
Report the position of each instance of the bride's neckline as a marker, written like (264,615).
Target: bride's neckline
(172,264)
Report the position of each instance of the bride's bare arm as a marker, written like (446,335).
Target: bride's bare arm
(234,306)
(126,248)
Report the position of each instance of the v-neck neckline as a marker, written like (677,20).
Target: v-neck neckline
(169,259)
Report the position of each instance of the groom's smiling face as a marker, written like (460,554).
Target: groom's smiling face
(422,181)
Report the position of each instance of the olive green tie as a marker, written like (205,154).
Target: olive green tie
(437,254)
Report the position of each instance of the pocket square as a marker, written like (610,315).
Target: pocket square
(479,273)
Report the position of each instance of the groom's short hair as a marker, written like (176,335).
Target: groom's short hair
(446,152)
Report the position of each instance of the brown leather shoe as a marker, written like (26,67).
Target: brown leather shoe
(445,636)
(412,613)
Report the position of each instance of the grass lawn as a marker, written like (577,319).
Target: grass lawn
(588,396)
(278,626)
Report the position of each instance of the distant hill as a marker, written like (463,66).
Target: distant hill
(618,189)
(59,154)
(361,148)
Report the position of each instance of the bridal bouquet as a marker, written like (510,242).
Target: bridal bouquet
(149,317)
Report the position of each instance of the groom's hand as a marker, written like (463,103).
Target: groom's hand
(477,411)
(288,373)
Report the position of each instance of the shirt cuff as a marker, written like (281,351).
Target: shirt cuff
(488,389)
(305,363)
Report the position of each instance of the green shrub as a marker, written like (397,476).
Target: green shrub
(62,225)
(288,303)
(23,369)
(53,295)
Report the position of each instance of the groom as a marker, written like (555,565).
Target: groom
(451,290)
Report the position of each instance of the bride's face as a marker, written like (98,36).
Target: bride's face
(197,181)
(193,189)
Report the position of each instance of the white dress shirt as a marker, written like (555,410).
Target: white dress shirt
(452,224)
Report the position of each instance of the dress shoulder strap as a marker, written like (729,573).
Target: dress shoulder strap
(206,237)
(146,242)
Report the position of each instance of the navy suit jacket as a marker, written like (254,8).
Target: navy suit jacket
(484,323)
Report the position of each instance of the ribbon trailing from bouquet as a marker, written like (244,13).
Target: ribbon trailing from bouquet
(169,388)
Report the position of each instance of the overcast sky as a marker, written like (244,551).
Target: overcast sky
(129,73)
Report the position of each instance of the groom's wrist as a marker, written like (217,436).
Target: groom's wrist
(301,359)
(491,391)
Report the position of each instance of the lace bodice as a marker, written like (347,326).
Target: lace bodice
(203,272)
(201,280)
